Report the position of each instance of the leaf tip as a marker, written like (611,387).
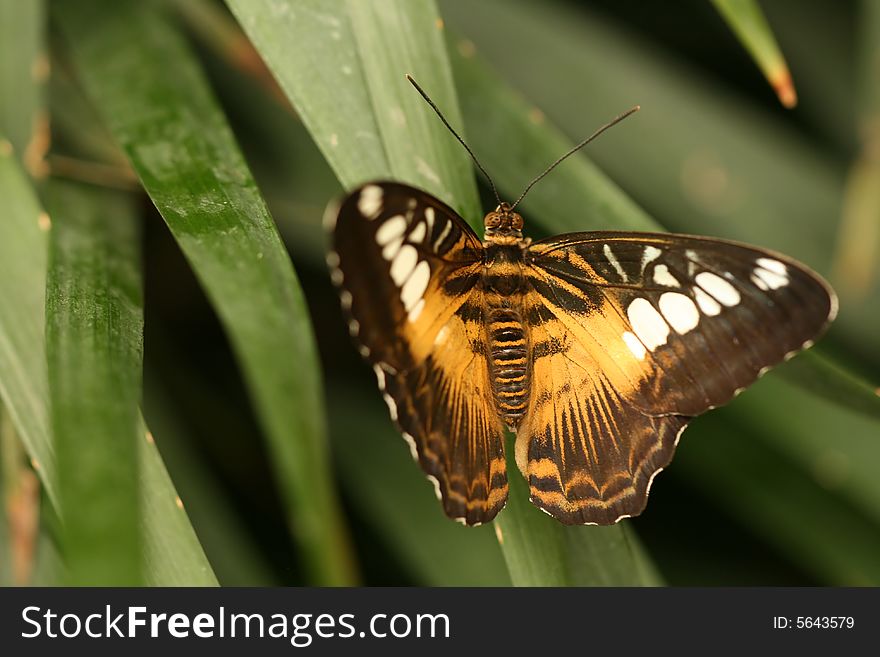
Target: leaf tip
(784,88)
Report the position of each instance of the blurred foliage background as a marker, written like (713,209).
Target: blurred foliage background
(179,400)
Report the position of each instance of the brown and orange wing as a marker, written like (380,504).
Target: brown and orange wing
(632,335)
(407,268)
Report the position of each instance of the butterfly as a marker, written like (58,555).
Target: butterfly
(595,349)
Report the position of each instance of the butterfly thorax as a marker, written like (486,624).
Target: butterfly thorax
(503,284)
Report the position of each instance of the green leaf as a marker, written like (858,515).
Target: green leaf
(577,195)
(857,257)
(172,553)
(23,384)
(818,373)
(24,68)
(230,547)
(94,326)
(149,88)
(345,77)
(175,557)
(732,462)
(749,24)
(833,445)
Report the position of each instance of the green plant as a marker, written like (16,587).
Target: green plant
(281,464)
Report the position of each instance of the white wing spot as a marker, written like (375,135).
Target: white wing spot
(706,303)
(345,298)
(648,324)
(436,483)
(380,376)
(412,445)
(723,291)
(692,259)
(337,276)
(403,264)
(679,311)
(609,255)
(392,406)
(443,234)
(759,283)
(772,278)
(635,346)
(418,233)
(332,259)
(415,286)
(773,265)
(649,255)
(662,276)
(370,201)
(429,217)
(392,248)
(390,230)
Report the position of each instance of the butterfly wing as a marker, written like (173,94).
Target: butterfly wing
(632,335)
(407,268)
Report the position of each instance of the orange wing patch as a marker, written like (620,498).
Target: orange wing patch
(444,407)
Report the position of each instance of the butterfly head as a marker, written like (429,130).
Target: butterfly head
(503,225)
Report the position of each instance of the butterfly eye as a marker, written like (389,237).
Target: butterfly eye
(492,220)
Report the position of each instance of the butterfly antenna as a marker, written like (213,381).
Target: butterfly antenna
(450,128)
(574,150)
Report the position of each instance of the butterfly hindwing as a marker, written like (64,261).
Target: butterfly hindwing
(634,333)
(408,270)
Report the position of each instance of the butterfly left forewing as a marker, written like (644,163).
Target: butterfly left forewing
(633,334)
(407,269)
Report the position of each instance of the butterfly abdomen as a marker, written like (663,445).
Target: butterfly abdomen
(509,364)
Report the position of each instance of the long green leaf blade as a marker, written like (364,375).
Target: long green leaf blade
(172,552)
(24,67)
(232,550)
(346,78)
(94,325)
(23,384)
(25,391)
(186,157)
